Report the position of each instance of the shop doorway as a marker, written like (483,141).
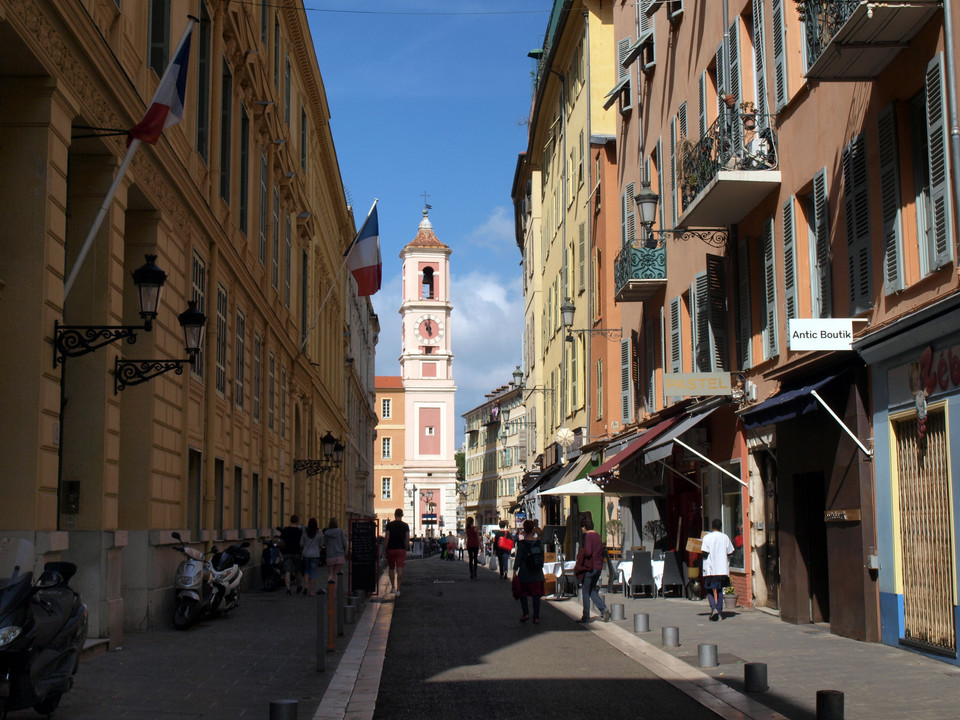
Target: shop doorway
(811,534)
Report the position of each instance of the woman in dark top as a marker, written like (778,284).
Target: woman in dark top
(473,546)
(528,568)
(593,561)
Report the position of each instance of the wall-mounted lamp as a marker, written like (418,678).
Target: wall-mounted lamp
(518,381)
(75,340)
(647,201)
(332,450)
(567,309)
(134,372)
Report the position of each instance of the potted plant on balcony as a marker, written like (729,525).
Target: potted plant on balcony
(748,113)
(730,100)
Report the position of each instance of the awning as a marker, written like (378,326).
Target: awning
(570,472)
(784,406)
(633,448)
(544,477)
(662,448)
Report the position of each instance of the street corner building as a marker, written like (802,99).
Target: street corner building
(187,345)
(738,229)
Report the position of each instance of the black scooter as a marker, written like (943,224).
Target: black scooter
(271,565)
(42,630)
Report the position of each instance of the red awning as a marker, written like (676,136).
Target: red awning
(634,447)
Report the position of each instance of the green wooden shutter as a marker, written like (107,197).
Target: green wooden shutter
(890,201)
(760,53)
(676,337)
(735,86)
(663,345)
(717,306)
(651,353)
(771,346)
(789,261)
(721,81)
(744,326)
(626,397)
(856,202)
(582,256)
(821,204)
(702,107)
(781,95)
(631,210)
(937,139)
(673,173)
(700,323)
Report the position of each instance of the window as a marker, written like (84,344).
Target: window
(582,256)
(780,75)
(626,391)
(283,402)
(275,260)
(286,264)
(818,242)
(744,324)
(708,317)
(271,379)
(386,408)
(276,52)
(385,448)
(789,262)
(430,430)
(303,138)
(427,288)
(628,218)
(257,371)
(244,205)
(676,336)
(262,240)
(237,496)
(158,32)
(286,91)
(304,295)
(599,393)
(941,214)
(199,296)
(221,379)
(238,372)
(203,82)
(226,126)
(723,499)
(264,17)
(857,203)
(385,493)
(769,330)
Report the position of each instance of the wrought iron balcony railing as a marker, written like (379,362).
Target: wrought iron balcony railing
(737,140)
(822,19)
(640,269)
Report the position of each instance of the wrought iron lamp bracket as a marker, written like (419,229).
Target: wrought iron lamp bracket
(76,340)
(134,372)
(714,236)
(312,467)
(608,333)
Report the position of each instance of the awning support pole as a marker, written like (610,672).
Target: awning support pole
(836,417)
(706,459)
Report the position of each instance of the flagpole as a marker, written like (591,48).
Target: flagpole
(131,149)
(343,264)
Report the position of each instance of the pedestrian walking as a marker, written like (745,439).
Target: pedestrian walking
(473,546)
(396,539)
(528,572)
(716,567)
(335,540)
(311,540)
(292,565)
(590,560)
(503,544)
(451,541)
(461,546)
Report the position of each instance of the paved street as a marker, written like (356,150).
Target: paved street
(455,646)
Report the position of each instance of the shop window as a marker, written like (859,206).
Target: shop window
(723,499)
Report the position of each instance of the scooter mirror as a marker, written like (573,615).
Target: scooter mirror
(176,535)
(50,578)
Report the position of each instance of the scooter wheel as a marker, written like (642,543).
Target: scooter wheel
(185,614)
(48,704)
(271,583)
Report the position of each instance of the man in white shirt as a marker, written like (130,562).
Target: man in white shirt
(716,546)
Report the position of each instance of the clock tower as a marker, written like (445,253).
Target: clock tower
(426,366)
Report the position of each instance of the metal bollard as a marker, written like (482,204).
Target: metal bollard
(829,705)
(341,594)
(349,613)
(755,677)
(331,615)
(617,612)
(321,631)
(708,655)
(641,622)
(283,710)
(670,636)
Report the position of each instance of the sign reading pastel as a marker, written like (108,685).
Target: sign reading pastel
(820,333)
(687,384)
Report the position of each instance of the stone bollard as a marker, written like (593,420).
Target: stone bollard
(617,612)
(348,614)
(670,636)
(641,622)
(755,677)
(708,655)
(283,710)
(829,705)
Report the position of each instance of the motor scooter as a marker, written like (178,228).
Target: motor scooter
(43,627)
(201,587)
(226,571)
(271,565)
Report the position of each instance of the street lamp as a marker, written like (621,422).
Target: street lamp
(76,340)
(647,201)
(567,309)
(332,450)
(134,372)
(518,381)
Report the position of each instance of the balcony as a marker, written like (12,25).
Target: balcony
(730,171)
(856,40)
(640,270)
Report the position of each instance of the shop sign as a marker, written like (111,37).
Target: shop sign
(428,518)
(687,384)
(820,333)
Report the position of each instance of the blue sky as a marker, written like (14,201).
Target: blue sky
(433,96)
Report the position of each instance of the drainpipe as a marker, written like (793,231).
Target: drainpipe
(952,101)
(588,359)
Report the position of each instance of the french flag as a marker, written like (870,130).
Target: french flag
(167,106)
(363,255)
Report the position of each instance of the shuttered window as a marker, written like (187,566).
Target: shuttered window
(582,256)
(780,87)
(821,292)
(891,230)
(626,394)
(941,212)
(769,330)
(759,54)
(789,261)
(699,323)
(676,336)
(702,105)
(599,393)
(673,173)
(708,314)
(856,203)
(736,88)
(651,359)
(744,325)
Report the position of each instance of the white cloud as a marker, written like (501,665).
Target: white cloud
(497,233)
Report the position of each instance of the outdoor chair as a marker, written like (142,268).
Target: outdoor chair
(642,579)
(673,580)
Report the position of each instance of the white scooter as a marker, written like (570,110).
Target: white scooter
(202,585)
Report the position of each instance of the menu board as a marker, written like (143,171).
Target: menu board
(364,555)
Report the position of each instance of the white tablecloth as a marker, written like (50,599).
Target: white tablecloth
(625,569)
(556,568)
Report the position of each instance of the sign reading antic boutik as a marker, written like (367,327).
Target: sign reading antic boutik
(820,333)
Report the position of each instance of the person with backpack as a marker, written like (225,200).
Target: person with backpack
(528,572)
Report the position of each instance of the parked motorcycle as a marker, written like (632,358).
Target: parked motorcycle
(202,585)
(43,627)
(271,565)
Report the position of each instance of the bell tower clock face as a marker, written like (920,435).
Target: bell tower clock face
(429,329)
